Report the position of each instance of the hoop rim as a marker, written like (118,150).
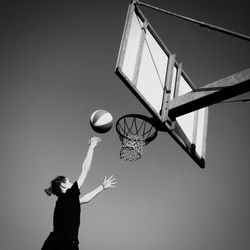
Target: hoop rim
(148,120)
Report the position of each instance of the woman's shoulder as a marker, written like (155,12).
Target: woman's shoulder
(74,189)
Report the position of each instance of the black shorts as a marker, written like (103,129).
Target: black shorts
(54,243)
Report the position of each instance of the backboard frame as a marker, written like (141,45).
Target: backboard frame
(162,121)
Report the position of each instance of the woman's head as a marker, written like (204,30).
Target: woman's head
(58,186)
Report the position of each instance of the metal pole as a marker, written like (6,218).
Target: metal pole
(202,24)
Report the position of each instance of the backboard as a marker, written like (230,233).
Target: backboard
(154,76)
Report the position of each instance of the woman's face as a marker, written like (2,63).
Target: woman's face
(66,185)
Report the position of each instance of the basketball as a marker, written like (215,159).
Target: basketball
(101,121)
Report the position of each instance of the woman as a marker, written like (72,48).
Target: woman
(66,219)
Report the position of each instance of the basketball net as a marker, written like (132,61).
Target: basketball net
(132,147)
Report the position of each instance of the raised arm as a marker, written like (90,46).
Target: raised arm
(107,183)
(88,160)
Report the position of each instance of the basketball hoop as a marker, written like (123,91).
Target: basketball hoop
(135,131)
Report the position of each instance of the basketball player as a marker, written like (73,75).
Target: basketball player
(66,219)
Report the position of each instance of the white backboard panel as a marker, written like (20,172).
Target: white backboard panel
(152,72)
(129,60)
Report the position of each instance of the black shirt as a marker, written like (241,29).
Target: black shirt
(67,211)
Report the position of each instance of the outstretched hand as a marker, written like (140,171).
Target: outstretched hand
(109,183)
(94,141)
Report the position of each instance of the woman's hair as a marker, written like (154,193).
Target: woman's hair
(55,186)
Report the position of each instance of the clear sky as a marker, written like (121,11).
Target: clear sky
(57,61)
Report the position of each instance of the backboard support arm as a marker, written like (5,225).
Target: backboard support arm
(202,24)
(218,91)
